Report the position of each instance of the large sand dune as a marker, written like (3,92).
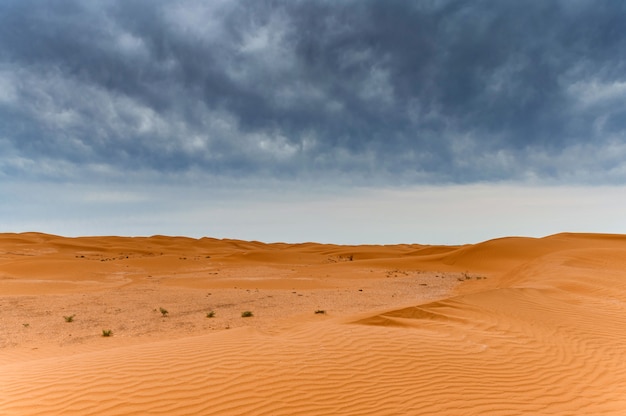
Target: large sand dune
(506,327)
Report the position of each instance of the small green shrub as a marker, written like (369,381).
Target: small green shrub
(163,311)
(107,332)
(69,318)
(246,314)
(320,312)
(210,314)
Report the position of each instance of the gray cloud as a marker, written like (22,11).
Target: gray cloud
(394,91)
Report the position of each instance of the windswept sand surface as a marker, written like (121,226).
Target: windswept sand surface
(506,327)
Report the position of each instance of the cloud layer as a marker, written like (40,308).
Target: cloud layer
(360,91)
(453,214)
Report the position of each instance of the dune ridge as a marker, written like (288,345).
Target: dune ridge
(505,327)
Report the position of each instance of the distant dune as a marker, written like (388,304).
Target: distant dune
(505,327)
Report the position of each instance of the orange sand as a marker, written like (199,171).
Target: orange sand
(506,327)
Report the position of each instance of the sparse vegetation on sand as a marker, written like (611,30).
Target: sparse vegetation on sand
(210,314)
(246,314)
(467,276)
(69,318)
(107,332)
(163,311)
(320,312)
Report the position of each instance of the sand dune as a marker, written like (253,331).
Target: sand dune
(505,327)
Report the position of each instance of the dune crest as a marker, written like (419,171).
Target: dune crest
(504,327)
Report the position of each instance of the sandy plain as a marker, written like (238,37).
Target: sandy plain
(505,327)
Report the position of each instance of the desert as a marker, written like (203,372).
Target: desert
(184,326)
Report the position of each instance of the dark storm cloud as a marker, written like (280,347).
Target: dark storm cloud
(431,91)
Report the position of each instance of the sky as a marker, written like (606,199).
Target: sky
(350,122)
